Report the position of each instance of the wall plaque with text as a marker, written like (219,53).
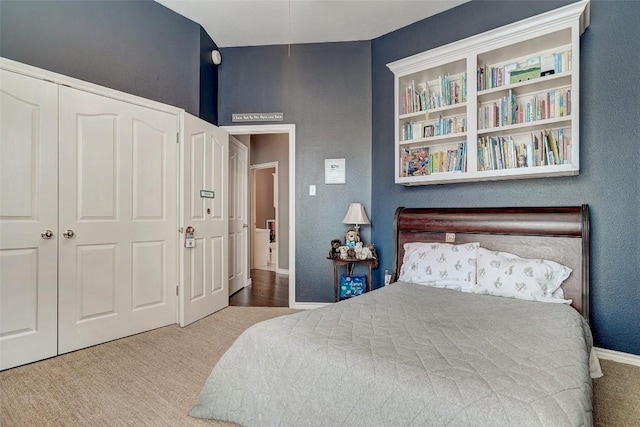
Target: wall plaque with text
(257,117)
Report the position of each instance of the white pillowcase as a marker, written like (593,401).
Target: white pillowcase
(508,275)
(440,265)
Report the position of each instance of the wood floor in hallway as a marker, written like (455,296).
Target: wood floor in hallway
(268,289)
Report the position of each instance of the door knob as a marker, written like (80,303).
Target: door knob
(245,225)
(47,234)
(68,234)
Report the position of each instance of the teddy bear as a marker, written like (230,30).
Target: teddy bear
(362,252)
(334,252)
(343,252)
(351,237)
(347,252)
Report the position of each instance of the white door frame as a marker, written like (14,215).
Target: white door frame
(289,129)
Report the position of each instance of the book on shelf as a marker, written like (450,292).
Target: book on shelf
(414,98)
(462,161)
(415,162)
(548,154)
(411,130)
(554,148)
(437,161)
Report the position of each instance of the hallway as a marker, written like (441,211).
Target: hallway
(268,289)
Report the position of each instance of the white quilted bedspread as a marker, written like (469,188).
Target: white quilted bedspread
(408,355)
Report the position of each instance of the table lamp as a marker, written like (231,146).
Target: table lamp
(356,216)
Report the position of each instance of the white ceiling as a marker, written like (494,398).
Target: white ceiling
(233,23)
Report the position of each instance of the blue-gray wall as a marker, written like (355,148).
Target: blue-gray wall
(139,47)
(609,151)
(208,79)
(325,90)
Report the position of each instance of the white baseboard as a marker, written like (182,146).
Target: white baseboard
(282,271)
(618,356)
(309,305)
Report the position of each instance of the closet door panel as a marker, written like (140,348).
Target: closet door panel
(97,281)
(28,208)
(118,194)
(149,186)
(97,167)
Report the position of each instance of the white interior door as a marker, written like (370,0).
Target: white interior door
(118,212)
(204,276)
(238,215)
(28,207)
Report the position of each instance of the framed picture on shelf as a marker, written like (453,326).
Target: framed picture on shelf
(428,131)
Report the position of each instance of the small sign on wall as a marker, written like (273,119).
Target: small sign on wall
(257,117)
(335,171)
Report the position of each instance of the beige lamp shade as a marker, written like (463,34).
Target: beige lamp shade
(356,215)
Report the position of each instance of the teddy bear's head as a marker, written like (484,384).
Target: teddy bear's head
(351,237)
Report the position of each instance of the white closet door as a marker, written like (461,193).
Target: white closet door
(118,210)
(28,208)
(205,279)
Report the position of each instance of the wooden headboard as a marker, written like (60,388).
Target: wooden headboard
(560,234)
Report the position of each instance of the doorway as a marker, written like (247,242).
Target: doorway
(264,216)
(285,216)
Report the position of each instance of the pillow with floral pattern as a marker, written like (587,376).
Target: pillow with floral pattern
(443,265)
(508,275)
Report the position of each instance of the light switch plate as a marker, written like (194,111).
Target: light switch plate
(312,190)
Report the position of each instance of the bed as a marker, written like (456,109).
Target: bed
(416,354)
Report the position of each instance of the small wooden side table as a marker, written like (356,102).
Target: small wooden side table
(337,263)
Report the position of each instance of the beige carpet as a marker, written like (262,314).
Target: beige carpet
(153,379)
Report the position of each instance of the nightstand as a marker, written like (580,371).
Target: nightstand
(337,263)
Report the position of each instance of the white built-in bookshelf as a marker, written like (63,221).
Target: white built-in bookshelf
(499,105)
